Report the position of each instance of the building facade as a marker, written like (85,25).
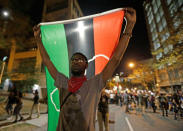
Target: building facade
(164,21)
(55,10)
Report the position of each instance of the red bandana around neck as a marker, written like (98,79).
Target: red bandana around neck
(75,83)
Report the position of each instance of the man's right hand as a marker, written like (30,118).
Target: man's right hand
(45,57)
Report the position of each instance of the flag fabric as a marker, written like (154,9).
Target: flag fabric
(94,36)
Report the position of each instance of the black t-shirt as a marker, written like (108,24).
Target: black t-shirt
(11,99)
(36,99)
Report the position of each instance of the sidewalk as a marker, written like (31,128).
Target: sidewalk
(38,124)
(35,124)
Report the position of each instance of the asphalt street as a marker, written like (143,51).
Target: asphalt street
(147,121)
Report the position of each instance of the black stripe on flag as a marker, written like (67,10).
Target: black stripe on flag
(80,38)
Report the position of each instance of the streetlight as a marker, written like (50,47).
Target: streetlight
(131,64)
(5,13)
(2,69)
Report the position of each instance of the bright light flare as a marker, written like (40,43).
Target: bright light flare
(35,87)
(131,65)
(81,28)
(5,13)
(115,88)
(4,58)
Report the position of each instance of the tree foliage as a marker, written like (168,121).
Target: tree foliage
(143,74)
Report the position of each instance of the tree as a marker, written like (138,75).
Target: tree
(144,75)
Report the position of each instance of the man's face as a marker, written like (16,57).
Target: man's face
(78,65)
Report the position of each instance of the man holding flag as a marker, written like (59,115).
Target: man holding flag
(80,96)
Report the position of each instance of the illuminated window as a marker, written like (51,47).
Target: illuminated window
(172,8)
(147,7)
(164,22)
(151,29)
(150,18)
(165,50)
(176,23)
(168,1)
(154,36)
(153,2)
(161,11)
(160,28)
(155,9)
(157,18)
(156,44)
(180,2)
(170,47)
(167,35)
(158,3)
(159,56)
(154,6)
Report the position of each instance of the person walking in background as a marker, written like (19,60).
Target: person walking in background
(164,105)
(175,109)
(18,107)
(103,112)
(141,102)
(153,103)
(126,101)
(35,104)
(10,102)
(121,99)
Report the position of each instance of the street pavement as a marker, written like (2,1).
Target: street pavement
(122,121)
(148,121)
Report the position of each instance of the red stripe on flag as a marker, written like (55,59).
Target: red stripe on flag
(107,31)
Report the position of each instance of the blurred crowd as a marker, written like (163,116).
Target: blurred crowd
(142,101)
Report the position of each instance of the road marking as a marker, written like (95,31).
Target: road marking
(129,125)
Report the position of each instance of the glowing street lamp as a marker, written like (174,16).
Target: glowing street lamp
(131,64)
(5,13)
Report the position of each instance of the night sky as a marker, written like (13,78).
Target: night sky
(138,48)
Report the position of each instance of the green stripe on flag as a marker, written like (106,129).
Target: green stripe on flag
(54,41)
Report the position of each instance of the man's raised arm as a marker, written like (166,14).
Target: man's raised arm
(46,59)
(130,15)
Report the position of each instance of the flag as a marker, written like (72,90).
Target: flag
(94,36)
